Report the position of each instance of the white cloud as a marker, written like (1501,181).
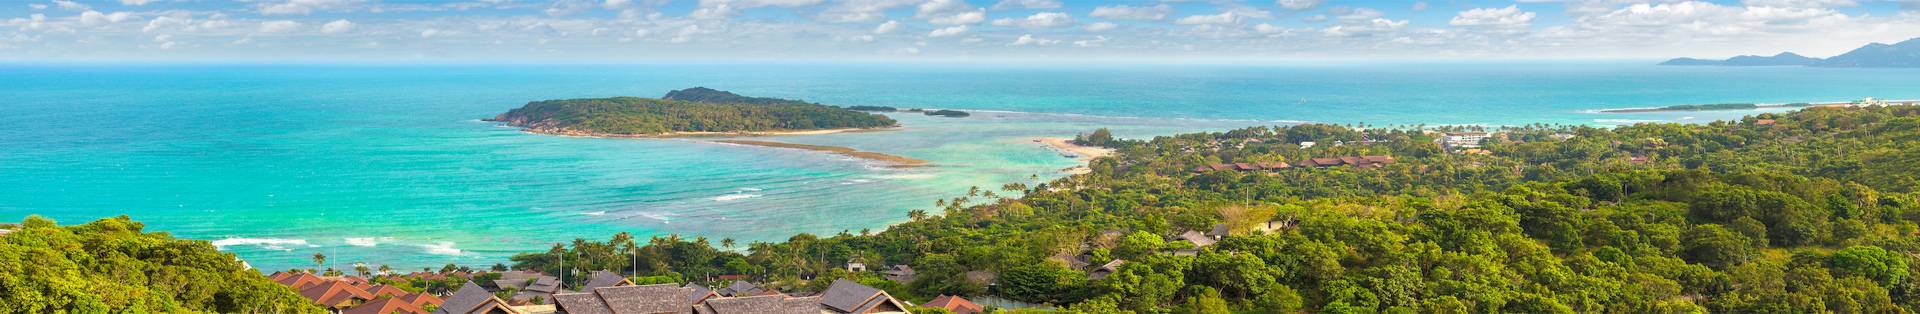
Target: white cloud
(1222,18)
(1029,40)
(93,18)
(887,27)
(1095,42)
(1123,12)
(135,2)
(337,26)
(1026,4)
(1297,5)
(1038,20)
(950,12)
(1265,28)
(431,33)
(1800,3)
(1510,16)
(947,32)
(1101,26)
(279,26)
(70,5)
(1369,27)
(860,10)
(303,7)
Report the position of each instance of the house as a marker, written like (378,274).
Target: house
(647,299)
(766,304)
(1219,231)
(1197,239)
(336,294)
(1460,140)
(385,306)
(1306,145)
(422,300)
(472,299)
(300,281)
(385,291)
(857,267)
(739,288)
(700,293)
(539,286)
(1105,270)
(899,273)
(955,304)
(845,296)
(603,279)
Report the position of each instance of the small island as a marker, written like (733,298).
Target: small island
(695,111)
(948,113)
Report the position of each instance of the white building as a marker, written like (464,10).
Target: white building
(1463,140)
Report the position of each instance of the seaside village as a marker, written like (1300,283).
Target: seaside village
(530,292)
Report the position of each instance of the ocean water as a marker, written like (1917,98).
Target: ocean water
(390,164)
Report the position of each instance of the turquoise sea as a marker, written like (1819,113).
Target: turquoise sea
(389,164)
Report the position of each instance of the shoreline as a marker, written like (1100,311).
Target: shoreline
(1083,154)
(1760,106)
(573,133)
(895,160)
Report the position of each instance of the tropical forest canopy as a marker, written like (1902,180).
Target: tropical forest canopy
(690,110)
(1816,212)
(110,265)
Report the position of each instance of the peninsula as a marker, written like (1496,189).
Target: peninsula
(695,111)
(1904,54)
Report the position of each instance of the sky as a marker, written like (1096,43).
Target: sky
(656,31)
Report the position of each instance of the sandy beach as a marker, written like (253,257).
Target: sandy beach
(1066,148)
(896,161)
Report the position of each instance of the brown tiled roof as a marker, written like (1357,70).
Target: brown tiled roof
(699,293)
(1271,165)
(385,306)
(300,281)
(1326,162)
(1378,159)
(334,293)
(1222,167)
(1245,167)
(422,299)
(955,304)
(385,290)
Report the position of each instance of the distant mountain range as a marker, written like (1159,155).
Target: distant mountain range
(1876,55)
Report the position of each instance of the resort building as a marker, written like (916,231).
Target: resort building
(385,306)
(1462,140)
(899,273)
(1105,270)
(647,299)
(604,279)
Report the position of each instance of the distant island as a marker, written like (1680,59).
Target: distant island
(1875,55)
(695,111)
(948,113)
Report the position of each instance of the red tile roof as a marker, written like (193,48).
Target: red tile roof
(334,293)
(385,306)
(955,304)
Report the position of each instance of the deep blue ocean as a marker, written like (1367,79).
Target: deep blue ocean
(389,164)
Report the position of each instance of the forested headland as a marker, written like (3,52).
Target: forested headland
(691,111)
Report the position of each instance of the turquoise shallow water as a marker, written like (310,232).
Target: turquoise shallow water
(389,165)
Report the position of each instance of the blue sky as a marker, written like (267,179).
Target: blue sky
(641,31)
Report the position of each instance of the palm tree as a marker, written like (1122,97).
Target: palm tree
(726,243)
(384,269)
(363,270)
(917,214)
(319,259)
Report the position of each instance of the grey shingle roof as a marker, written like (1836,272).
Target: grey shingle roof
(471,298)
(649,299)
(847,296)
(768,304)
(580,303)
(739,288)
(603,279)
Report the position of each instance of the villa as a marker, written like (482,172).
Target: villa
(1461,140)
